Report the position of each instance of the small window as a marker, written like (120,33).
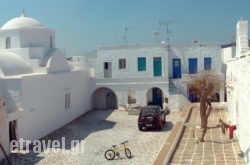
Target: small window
(67,100)
(122,63)
(141,63)
(106,65)
(8,43)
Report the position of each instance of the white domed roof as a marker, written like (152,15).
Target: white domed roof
(12,64)
(20,22)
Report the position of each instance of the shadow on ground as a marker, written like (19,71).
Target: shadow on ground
(77,130)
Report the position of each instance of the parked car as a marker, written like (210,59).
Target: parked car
(151,116)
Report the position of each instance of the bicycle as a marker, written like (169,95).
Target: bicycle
(116,149)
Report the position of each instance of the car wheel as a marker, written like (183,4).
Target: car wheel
(140,128)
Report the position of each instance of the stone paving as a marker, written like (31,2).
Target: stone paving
(217,148)
(97,130)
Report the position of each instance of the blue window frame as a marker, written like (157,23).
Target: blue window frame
(141,63)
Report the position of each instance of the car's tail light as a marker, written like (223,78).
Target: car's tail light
(139,120)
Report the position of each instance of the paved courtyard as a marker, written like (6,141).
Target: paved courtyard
(217,149)
(97,130)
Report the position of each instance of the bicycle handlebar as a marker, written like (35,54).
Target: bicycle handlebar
(123,143)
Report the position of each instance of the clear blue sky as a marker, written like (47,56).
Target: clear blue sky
(82,25)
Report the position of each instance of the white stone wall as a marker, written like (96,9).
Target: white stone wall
(238,91)
(227,54)
(43,102)
(31,37)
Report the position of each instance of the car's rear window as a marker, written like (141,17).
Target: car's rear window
(147,111)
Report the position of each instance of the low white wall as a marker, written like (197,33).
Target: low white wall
(177,102)
(43,98)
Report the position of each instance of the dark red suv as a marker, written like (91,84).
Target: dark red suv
(151,116)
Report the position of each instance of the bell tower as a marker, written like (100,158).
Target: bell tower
(241,37)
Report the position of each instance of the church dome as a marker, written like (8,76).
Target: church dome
(20,22)
(12,64)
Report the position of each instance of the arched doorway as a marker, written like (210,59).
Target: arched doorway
(155,96)
(104,98)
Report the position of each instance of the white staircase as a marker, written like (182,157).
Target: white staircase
(176,99)
(172,86)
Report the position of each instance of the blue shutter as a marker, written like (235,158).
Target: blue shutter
(192,63)
(141,63)
(157,66)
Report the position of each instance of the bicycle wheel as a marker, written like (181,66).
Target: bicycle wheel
(128,153)
(109,154)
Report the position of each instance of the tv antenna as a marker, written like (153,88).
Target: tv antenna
(125,33)
(166,23)
(156,35)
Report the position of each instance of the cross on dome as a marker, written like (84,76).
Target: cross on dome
(23,14)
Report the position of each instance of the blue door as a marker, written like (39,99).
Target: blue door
(176,68)
(157,66)
(207,63)
(192,64)
(157,97)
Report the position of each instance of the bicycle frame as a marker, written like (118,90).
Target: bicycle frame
(119,148)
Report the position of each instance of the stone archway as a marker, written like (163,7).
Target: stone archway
(104,98)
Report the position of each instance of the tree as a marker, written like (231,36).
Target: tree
(205,85)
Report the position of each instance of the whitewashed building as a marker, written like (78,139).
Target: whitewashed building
(238,91)
(151,73)
(41,90)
